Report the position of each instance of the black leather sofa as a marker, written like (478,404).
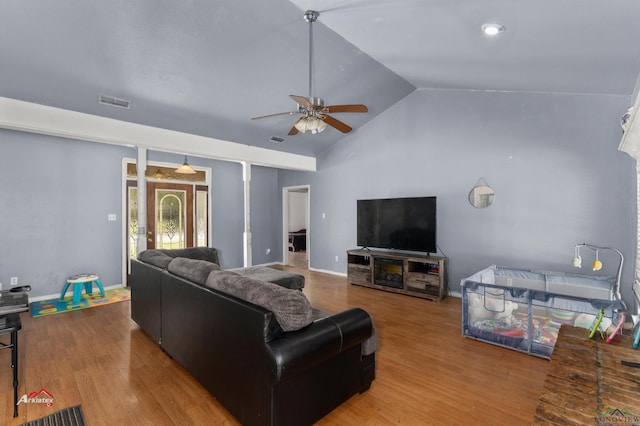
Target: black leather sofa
(239,350)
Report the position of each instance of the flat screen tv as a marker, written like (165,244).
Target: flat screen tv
(398,223)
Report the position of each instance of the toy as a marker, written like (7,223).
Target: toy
(491,307)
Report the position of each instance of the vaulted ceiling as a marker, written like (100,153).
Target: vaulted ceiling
(206,67)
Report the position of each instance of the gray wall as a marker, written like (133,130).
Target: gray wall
(551,158)
(266,217)
(55,195)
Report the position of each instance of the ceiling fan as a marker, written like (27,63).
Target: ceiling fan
(315,114)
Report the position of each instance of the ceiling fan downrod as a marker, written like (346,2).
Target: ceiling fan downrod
(311,16)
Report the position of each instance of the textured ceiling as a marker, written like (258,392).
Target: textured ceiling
(569,46)
(207,67)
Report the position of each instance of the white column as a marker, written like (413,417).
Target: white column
(246,177)
(141,165)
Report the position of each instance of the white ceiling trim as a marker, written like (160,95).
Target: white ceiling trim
(35,118)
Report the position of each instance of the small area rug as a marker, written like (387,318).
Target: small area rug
(71,416)
(57,306)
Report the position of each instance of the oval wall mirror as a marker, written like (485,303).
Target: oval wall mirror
(481,196)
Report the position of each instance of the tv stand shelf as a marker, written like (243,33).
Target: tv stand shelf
(412,274)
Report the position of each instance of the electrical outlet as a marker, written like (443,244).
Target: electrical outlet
(268,251)
(111,217)
(14,280)
(336,259)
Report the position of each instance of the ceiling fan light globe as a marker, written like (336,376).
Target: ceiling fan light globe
(321,125)
(312,124)
(318,130)
(301,125)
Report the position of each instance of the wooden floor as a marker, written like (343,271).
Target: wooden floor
(426,373)
(587,381)
(298,259)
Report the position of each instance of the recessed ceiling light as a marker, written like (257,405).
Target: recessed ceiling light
(492,29)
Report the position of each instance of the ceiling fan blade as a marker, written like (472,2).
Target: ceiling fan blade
(274,115)
(345,108)
(336,123)
(293,131)
(302,101)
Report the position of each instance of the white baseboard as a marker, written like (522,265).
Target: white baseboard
(269,264)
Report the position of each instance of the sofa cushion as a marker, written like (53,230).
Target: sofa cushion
(193,270)
(201,253)
(270,275)
(155,257)
(290,307)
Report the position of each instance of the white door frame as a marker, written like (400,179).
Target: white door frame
(285,221)
(124,212)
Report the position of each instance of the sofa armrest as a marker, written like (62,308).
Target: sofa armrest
(297,351)
(145,297)
(355,326)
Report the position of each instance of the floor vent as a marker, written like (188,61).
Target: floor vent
(276,139)
(112,101)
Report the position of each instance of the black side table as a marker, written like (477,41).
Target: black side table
(11,325)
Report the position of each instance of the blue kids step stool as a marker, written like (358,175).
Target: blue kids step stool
(79,281)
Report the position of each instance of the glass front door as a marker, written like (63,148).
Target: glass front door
(177,216)
(170,215)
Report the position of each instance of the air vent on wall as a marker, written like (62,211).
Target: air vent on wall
(113,101)
(276,139)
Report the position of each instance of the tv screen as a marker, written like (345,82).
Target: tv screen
(398,223)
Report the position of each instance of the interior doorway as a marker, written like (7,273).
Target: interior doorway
(296,227)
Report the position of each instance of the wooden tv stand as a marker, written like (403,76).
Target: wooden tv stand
(412,274)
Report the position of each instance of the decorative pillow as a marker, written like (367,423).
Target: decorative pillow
(193,270)
(155,257)
(290,307)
